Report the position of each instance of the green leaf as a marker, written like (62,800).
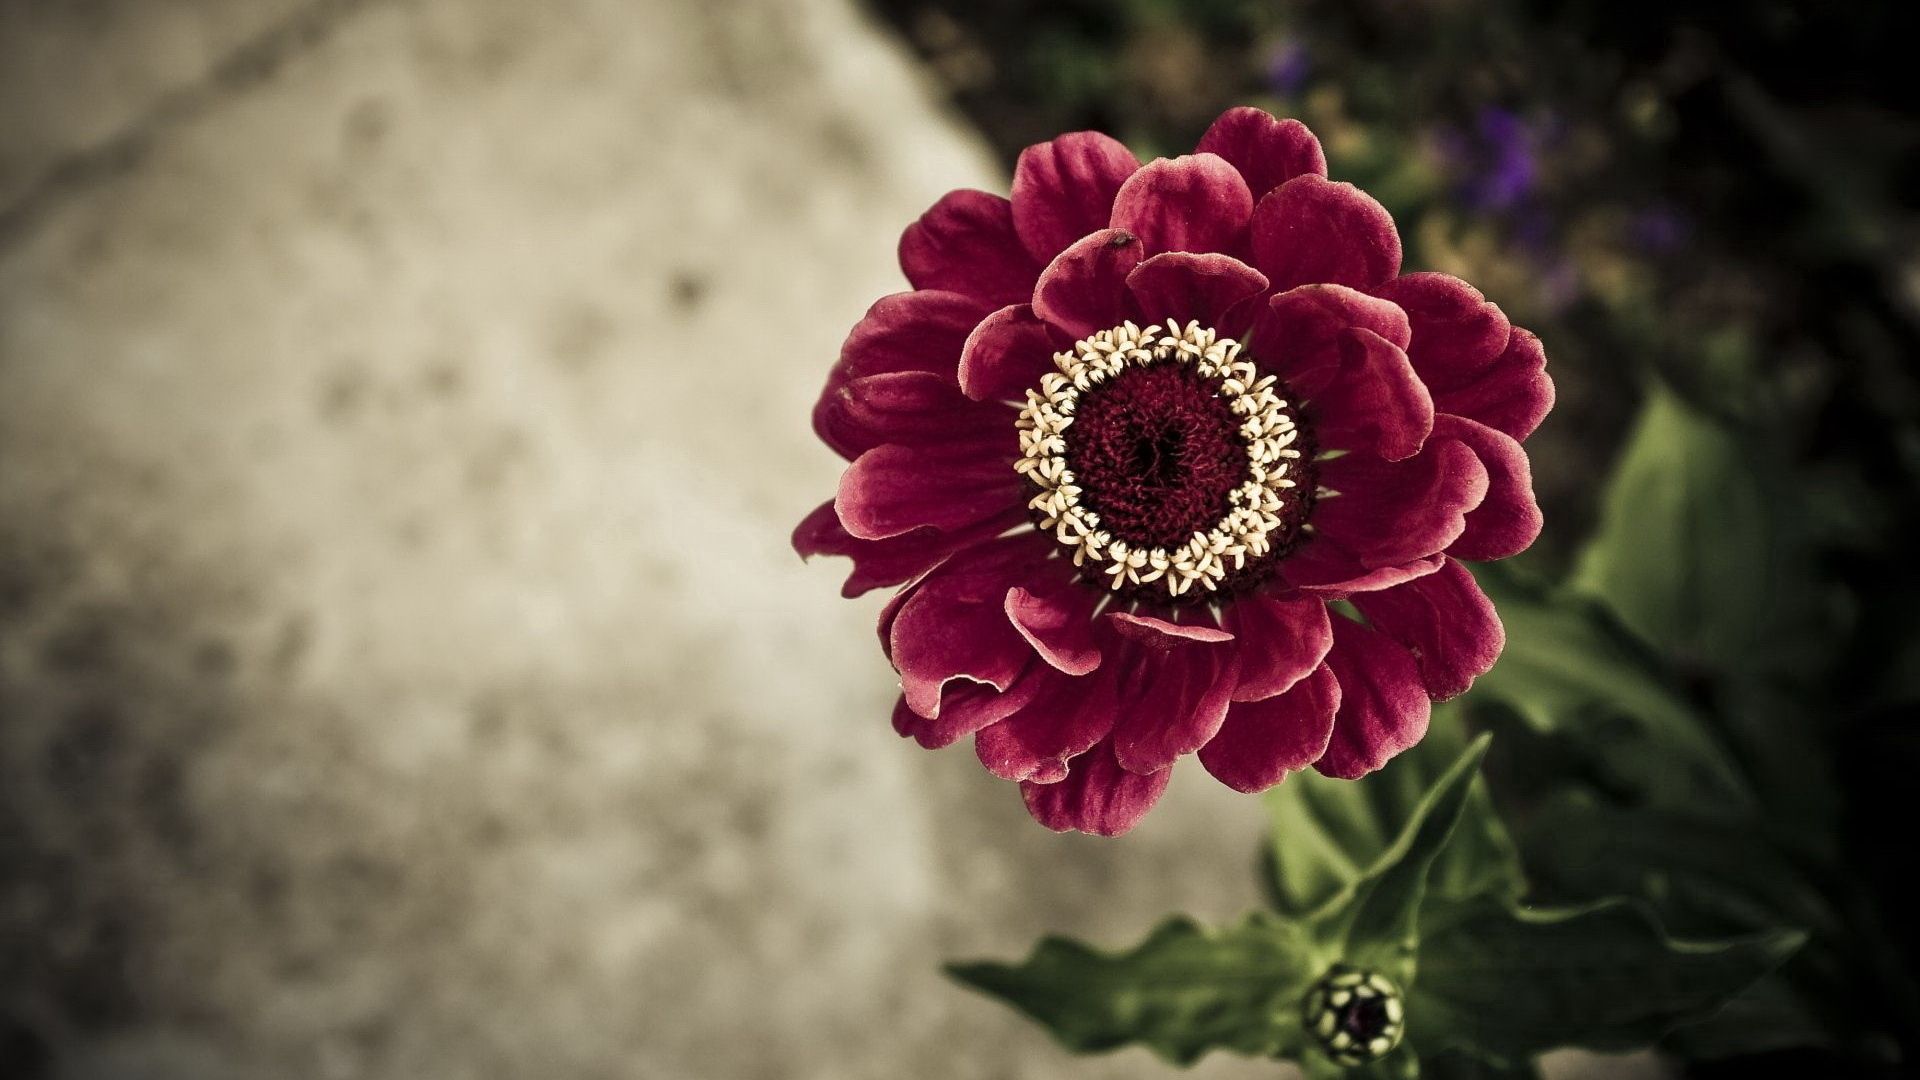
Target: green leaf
(1703,875)
(1769,1015)
(1182,992)
(1572,672)
(1375,925)
(1704,878)
(1510,984)
(1327,833)
(1687,536)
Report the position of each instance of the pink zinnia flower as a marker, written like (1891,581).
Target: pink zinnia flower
(1134,430)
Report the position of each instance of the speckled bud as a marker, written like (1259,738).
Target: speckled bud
(1356,1016)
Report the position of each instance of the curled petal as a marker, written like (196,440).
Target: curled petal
(1192,203)
(877,563)
(1064,720)
(890,490)
(1371,402)
(1298,332)
(1456,332)
(1280,642)
(1513,394)
(1064,189)
(1445,621)
(890,612)
(1084,290)
(953,624)
(1389,513)
(967,244)
(1175,700)
(1313,230)
(1384,706)
(1322,568)
(1508,520)
(912,408)
(1214,289)
(1056,618)
(965,708)
(1158,633)
(1268,152)
(1096,796)
(1262,741)
(914,331)
(1006,354)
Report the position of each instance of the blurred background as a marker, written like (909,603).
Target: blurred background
(403,410)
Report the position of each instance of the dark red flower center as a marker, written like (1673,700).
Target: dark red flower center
(1157,452)
(1363,1018)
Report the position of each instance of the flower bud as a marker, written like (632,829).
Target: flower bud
(1357,1016)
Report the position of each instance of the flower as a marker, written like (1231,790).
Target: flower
(1131,434)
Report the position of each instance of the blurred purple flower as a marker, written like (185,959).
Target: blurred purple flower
(1498,160)
(1289,66)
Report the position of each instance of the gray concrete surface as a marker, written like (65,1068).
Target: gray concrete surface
(403,672)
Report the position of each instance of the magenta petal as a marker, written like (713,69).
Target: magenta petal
(1006,354)
(1210,288)
(1058,622)
(965,708)
(1262,741)
(1395,512)
(1322,568)
(1084,290)
(1304,335)
(1298,332)
(1175,700)
(1372,402)
(1064,189)
(895,559)
(1456,333)
(967,244)
(915,331)
(1193,203)
(891,490)
(1280,642)
(1063,721)
(1097,796)
(1383,704)
(1508,520)
(1268,152)
(890,611)
(1513,394)
(1311,230)
(1446,621)
(912,408)
(954,626)
(1161,634)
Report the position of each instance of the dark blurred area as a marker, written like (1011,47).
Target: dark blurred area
(1713,199)
(1722,195)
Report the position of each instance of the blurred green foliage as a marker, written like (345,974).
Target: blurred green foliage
(1412,877)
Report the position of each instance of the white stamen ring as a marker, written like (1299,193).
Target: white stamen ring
(1245,532)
